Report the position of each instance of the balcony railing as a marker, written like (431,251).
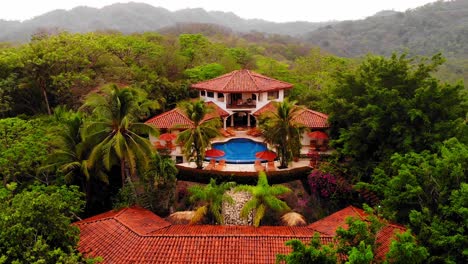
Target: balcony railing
(244,105)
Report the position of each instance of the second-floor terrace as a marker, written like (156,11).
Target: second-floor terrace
(242,89)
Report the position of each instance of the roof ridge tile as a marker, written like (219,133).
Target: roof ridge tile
(253,80)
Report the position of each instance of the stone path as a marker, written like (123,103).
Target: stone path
(231,212)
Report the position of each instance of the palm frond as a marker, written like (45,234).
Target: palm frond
(259,213)
(248,207)
(199,215)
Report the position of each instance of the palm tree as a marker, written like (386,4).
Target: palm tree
(197,138)
(160,184)
(70,156)
(263,198)
(281,130)
(116,138)
(211,196)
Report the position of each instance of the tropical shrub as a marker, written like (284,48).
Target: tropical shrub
(210,198)
(264,197)
(35,225)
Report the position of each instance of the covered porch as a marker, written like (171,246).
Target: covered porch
(240,119)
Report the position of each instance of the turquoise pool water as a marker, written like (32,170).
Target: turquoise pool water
(239,150)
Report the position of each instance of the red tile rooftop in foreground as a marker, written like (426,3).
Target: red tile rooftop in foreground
(135,235)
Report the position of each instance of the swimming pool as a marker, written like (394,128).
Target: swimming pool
(239,150)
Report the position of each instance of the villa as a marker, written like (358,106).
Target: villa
(136,235)
(238,98)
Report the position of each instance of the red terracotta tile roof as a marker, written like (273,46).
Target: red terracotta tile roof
(307,117)
(385,237)
(312,119)
(135,235)
(176,118)
(269,107)
(171,119)
(328,225)
(242,81)
(130,236)
(218,111)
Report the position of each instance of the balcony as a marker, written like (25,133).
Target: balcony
(242,105)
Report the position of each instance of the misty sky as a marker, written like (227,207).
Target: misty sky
(272,10)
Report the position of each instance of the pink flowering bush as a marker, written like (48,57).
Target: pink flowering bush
(322,184)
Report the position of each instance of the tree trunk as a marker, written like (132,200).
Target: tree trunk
(87,188)
(122,171)
(284,158)
(44,93)
(198,159)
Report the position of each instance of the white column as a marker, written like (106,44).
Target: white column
(224,122)
(281,95)
(248,119)
(232,120)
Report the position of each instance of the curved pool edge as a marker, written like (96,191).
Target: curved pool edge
(235,160)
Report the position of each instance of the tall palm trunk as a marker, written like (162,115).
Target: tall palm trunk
(284,157)
(122,170)
(199,160)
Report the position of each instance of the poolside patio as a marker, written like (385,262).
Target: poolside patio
(242,132)
(250,167)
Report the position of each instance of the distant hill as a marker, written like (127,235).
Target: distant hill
(139,17)
(440,26)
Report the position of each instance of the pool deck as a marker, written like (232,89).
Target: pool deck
(303,162)
(250,167)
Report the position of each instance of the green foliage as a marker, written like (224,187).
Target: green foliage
(197,138)
(127,196)
(390,105)
(242,56)
(273,68)
(358,231)
(313,75)
(443,232)
(35,225)
(210,198)
(204,72)
(160,183)
(6,99)
(264,197)
(197,49)
(428,191)
(419,180)
(116,138)
(315,252)
(361,254)
(53,65)
(23,147)
(406,250)
(69,157)
(280,129)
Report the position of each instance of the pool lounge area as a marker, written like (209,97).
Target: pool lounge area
(246,166)
(238,150)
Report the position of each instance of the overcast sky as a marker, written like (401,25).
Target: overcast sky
(272,10)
